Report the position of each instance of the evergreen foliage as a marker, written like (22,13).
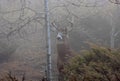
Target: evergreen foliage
(97,64)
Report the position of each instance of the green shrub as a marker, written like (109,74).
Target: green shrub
(97,64)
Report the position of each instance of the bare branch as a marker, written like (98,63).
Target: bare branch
(86,4)
(21,25)
(115,1)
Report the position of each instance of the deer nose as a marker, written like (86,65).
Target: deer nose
(59,37)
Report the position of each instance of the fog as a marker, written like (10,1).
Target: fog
(23,32)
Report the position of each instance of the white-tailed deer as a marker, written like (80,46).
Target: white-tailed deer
(63,48)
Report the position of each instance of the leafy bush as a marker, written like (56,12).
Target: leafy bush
(97,64)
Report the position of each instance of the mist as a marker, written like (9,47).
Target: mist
(23,47)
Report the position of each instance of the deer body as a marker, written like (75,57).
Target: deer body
(63,48)
(64,54)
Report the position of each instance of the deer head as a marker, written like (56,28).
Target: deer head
(62,32)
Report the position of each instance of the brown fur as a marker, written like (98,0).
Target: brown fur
(64,54)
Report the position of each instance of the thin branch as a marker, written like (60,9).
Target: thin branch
(115,2)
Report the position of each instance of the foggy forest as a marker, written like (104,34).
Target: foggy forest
(59,40)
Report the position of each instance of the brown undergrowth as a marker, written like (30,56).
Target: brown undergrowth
(11,77)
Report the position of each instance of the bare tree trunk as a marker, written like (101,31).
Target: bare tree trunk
(114,17)
(112,42)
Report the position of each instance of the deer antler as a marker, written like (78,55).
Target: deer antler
(54,26)
(63,29)
(71,24)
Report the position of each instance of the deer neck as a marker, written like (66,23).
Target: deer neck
(63,49)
